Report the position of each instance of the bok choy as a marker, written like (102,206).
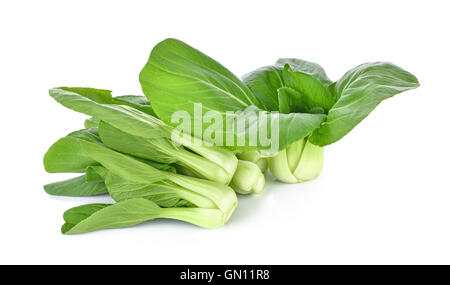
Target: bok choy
(133,148)
(303,86)
(126,178)
(148,132)
(312,111)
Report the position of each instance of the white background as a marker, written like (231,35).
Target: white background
(383,196)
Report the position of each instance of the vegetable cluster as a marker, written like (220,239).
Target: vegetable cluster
(127,148)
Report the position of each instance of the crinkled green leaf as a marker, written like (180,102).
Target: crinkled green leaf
(360,90)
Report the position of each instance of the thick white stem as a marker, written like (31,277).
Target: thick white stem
(299,162)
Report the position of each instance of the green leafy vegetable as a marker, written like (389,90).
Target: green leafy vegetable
(278,117)
(177,73)
(131,212)
(314,94)
(298,77)
(120,116)
(78,186)
(66,155)
(163,193)
(265,82)
(307,68)
(162,150)
(177,76)
(140,124)
(96,173)
(91,123)
(360,90)
(134,170)
(127,178)
(291,101)
(136,101)
(304,87)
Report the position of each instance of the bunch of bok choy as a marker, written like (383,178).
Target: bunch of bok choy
(132,149)
(129,154)
(312,110)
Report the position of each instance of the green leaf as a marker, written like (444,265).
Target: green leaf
(83,151)
(121,164)
(136,101)
(139,124)
(134,170)
(306,67)
(101,96)
(290,101)
(291,127)
(360,90)
(122,117)
(127,213)
(315,94)
(91,123)
(163,193)
(96,173)
(134,145)
(104,96)
(157,165)
(264,83)
(162,150)
(66,155)
(77,214)
(77,186)
(121,189)
(90,135)
(303,76)
(176,76)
